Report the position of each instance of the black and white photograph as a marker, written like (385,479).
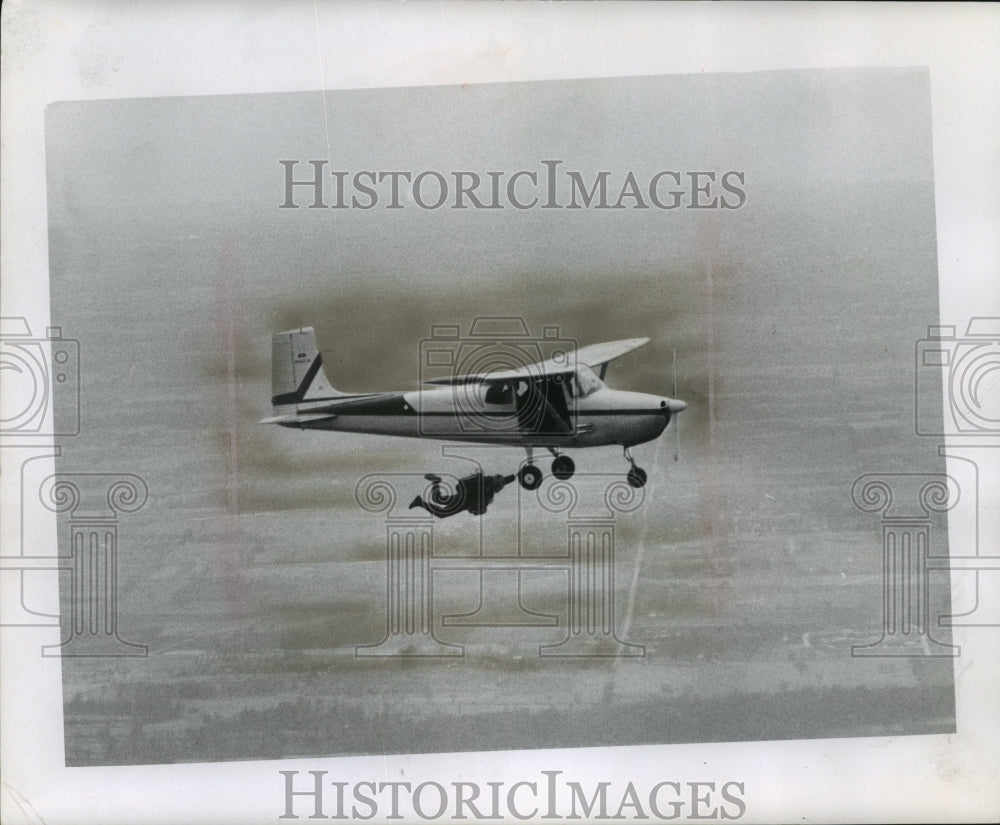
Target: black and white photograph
(711,597)
(495,443)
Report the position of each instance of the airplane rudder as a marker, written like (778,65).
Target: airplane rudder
(282,369)
(293,357)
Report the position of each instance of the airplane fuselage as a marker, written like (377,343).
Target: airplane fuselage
(556,404)
(458,413)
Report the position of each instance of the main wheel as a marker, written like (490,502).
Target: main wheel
(637,477)
(530,477)
(563,467)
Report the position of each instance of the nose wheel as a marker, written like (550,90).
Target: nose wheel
(636,475)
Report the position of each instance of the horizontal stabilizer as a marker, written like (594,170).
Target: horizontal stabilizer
(305,418)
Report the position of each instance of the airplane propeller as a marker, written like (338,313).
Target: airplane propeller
(677,421)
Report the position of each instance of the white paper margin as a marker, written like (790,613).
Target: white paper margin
(63,50)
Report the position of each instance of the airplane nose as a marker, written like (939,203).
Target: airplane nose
(674,405)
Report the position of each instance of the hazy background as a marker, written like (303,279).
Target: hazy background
(252,572)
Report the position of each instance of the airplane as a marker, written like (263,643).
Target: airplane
(555,404)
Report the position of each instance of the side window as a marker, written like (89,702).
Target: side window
(499,394)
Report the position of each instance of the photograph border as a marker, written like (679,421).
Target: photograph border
(56,50)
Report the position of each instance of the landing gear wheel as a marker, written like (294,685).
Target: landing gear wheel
(637,477)
(530,477)
(563,467)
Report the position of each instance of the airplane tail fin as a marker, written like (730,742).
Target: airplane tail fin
(297,368)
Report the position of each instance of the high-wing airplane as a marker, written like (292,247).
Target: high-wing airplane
(556,404)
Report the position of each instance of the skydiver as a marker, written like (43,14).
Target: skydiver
(473,493)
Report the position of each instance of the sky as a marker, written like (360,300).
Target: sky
(793,318)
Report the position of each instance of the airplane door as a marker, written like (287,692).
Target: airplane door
(541,405)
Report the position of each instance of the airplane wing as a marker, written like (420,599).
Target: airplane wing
(597,355)
(593,355)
